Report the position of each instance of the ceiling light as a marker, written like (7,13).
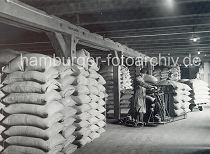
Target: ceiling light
(170,3)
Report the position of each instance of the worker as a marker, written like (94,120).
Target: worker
(139,105)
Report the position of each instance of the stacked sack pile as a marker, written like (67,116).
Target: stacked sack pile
(164,73)
(126,89)
(157,73)
(68,77)
(178,98)
(200,93)
(89,96)
(175,73)
(33,109)
(107,73)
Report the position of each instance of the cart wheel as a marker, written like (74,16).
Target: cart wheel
(200,108)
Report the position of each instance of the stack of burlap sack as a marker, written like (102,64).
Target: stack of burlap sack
(175,73)
(162,73)
(126,89)
(200,91)
(179,100)
(32,106)
(89,97)
(48,107)
(107,73)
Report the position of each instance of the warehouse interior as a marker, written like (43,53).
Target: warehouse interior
(159,107)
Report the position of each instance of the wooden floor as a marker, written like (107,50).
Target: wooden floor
(190,136)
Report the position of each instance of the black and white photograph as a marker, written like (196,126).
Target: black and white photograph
(104,76)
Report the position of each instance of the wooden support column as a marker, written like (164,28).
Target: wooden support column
(150,68)
(116,78)
(65,46)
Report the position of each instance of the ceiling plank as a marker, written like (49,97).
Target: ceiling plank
(107,5)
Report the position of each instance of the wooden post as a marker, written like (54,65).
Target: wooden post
(116,78)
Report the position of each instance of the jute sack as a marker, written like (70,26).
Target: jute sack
(94,98)
(36,132)
(82,58)
(101,80)
(67,91)
(101,130)
(92,65)
(30,62)
(101,109)
(32,98)
(6,55)
(93,120)
(67,71)
(93,74)
(81,80)
(68,112)
(101,102)
(81,117)
(94,128)
(67,80)
(68,121)
(100,116)
(69,149)
(13,149)
(1,94)
(93,90)
(83,132)
(81,99)
(1,117)
(93,105)
(88,139)
(41,77)
(69,140)
(94,135)
(177,106)
(102,95)
(81,124)
(1,107)
(126,97)
(92,82)
(29,150)
(1,148)
(31,120)
(68,131)
(94,112)
(45,145)
(38,110)
(101,88)
(101,124)
(83,71)
(82,108)
(68,102)
(179,112)
(82,142)
(2,129)
(81,90)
